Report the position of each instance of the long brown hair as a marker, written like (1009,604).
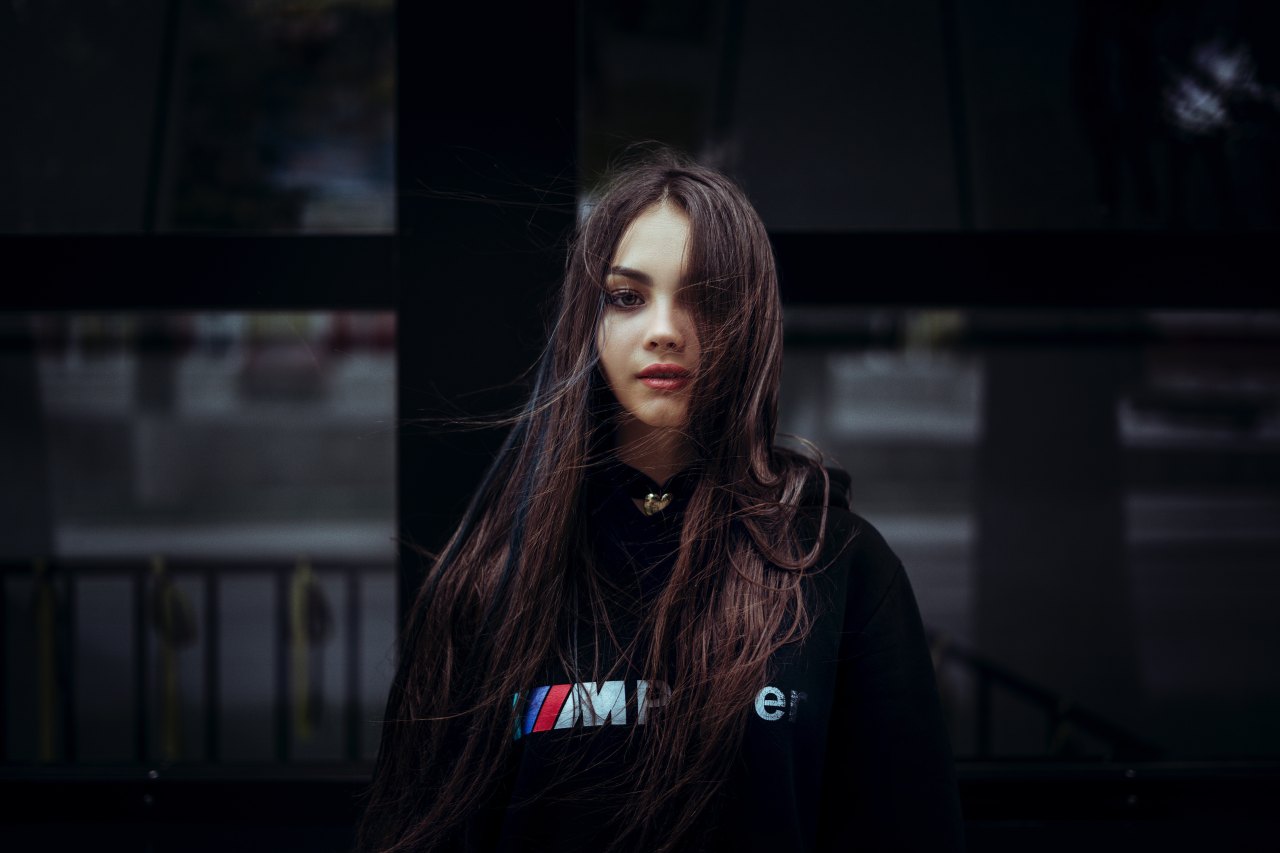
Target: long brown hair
(478,632)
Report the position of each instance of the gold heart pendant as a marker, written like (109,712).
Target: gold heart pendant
(653,503)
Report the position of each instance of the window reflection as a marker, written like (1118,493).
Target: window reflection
(206,568)
(1086,503)
(195,116)
(283,117)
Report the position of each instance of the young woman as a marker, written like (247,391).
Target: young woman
(654,628)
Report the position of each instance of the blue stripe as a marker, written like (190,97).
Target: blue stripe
(535,705)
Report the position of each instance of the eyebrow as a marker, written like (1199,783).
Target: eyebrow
(635,275)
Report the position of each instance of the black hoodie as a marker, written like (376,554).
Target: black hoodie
(845,746)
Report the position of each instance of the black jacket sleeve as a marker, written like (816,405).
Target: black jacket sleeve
(889,782)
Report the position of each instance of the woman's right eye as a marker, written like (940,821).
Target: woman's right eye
(623,298)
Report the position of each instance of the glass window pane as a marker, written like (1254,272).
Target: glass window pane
(1087,504)
(195,116)
(206,508)
(924,115)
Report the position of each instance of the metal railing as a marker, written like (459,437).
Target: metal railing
(1062,716)
(163,619)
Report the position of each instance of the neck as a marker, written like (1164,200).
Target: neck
(660,453)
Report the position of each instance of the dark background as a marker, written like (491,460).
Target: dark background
(1024,251)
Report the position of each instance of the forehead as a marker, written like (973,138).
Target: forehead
(656,242)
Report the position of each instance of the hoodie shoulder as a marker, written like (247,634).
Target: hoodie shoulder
(815,490)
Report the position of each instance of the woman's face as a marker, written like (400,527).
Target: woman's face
(647,339)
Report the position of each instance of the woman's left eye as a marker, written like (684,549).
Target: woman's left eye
(623,298)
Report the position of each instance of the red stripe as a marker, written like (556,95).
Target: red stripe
(551,707)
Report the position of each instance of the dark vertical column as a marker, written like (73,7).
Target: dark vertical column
(957,114)
(1053,594)
(4,671)
(27,531)
(160,126)
(486,170)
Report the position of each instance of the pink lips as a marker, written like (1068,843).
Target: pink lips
(664,377)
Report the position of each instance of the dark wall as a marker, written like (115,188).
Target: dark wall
(82,82)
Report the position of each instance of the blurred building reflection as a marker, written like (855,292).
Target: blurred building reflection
(905,405)
(218,583)
(926,115)
(192,116)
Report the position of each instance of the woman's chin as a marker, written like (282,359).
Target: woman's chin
(666,418)
(649,416)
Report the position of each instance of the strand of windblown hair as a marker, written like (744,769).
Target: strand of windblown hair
(480,499)
(520,522)
(481,502)
(474,510)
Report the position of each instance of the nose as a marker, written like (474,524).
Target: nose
(665,331)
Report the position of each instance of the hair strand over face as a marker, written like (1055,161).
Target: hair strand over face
(478,631)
